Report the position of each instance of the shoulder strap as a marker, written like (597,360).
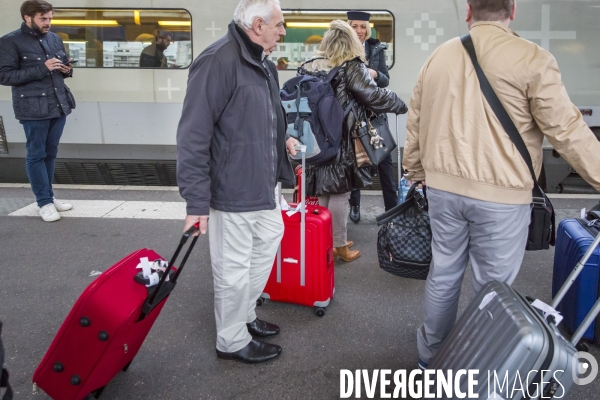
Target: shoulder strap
(500,111)
(332,74)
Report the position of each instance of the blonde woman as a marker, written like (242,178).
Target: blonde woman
(333,181)
(375,57)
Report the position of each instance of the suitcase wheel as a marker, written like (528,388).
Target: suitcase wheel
(95,394)
(319,311)
(260,301)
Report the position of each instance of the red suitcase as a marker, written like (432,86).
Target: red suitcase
(303,270)
(105,328)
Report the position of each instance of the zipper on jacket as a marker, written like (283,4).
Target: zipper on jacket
(273,138)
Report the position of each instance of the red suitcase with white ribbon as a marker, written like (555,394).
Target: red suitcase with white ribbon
(106,327)
(303,270)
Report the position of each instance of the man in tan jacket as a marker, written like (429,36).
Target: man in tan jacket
(479,187)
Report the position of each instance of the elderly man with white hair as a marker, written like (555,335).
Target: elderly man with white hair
(231,152)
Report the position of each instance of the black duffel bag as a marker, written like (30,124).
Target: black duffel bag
(404,240)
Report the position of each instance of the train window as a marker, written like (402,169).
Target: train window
(305,29)
(125,38)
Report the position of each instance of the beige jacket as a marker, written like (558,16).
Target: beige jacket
(454,139)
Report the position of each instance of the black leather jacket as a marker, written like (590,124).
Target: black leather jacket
(353,81)
(37,93)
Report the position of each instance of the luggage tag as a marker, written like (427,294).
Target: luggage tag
(149,275)
(297,209)
(486,300)
(547,311)
(145,266)
(284,204)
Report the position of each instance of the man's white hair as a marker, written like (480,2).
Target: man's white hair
(248,10)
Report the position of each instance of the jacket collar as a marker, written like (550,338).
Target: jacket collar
(495,25)
(373,46)
(252,52)
(30,31)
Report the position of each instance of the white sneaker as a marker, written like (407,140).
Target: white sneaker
(49,213)
(60,206)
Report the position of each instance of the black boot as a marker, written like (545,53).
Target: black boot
(254,352)
(354,214)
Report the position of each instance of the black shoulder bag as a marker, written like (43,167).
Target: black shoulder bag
(542,228)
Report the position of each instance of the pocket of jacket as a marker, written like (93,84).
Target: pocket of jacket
(34,104)
(70,98)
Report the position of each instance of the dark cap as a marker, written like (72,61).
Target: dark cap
(358,15)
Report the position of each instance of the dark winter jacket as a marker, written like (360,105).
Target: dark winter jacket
(231,136)
(375,52)
(37,93)
(353,81)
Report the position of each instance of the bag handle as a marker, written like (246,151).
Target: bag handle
(167,287)
(508,125)
(401,208)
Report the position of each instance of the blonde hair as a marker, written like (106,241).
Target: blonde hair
(340,44)
(367,24)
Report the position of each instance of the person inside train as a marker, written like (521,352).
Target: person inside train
(333,181)
(375,56)
(34,62)
(228,166)
(479,186)
(153,56)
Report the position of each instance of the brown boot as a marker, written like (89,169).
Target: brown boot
(349,243)
(346,254)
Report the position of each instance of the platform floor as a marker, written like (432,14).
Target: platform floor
(370,324)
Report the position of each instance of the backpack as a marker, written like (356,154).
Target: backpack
(314,115)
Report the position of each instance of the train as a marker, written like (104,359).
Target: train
(124,127)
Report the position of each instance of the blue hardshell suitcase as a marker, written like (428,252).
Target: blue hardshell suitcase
(573,238)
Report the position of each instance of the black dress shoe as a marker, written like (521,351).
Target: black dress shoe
(354,214)
(258,328)
(254,352)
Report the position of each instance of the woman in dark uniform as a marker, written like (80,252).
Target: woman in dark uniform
(375,54)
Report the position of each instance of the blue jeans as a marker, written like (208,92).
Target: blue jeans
(42,146)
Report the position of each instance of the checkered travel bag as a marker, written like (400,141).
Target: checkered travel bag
(404,240)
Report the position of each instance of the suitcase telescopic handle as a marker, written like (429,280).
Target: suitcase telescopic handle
(569,282)
(152,301)
(302,149)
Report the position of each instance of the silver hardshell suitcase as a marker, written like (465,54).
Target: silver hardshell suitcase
(511,342)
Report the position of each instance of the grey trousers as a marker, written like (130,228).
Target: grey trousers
(242,251)
(491,235)
(338,205)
